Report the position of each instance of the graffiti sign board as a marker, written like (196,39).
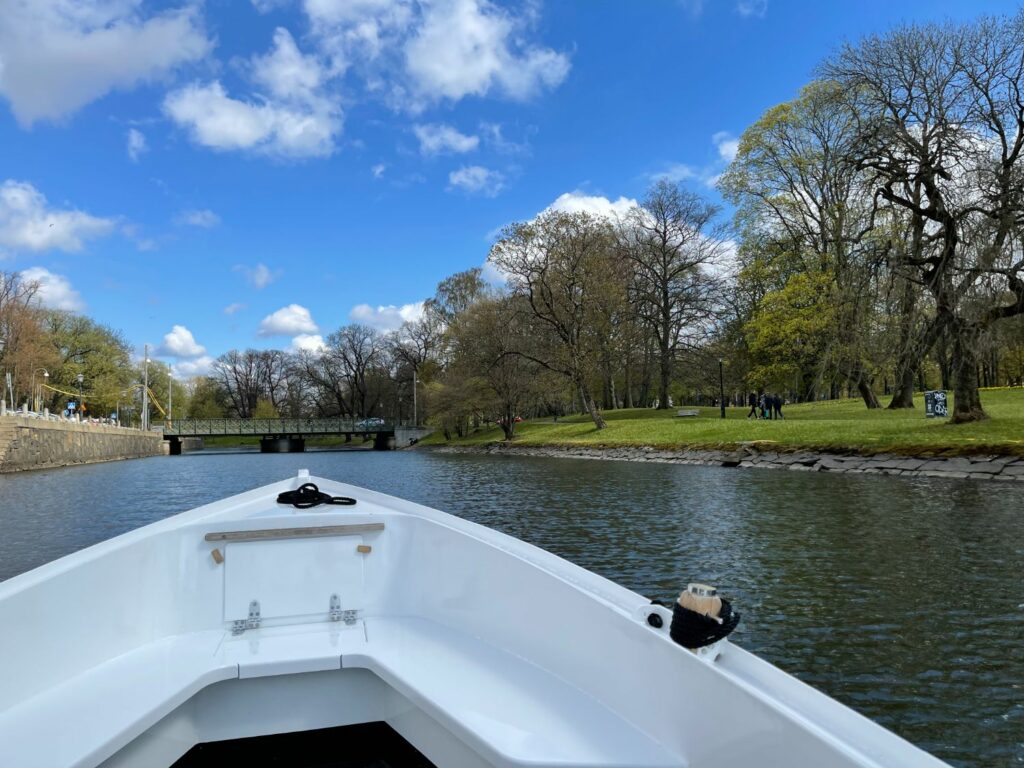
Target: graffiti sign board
(935,404)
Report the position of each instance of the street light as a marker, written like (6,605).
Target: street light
(35,398)
(145,389)
(721,384)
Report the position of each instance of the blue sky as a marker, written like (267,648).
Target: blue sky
(225,174)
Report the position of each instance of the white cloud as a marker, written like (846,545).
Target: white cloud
(438,138)
(217,121)
(752,8)
(58,56)
(186,369)
(259,276)
(53,291)
(266,6)
(291,116)
(378,170)
(360,32)
(597,205)
(492,274)
(231,309)
(494,136)
(307,342)
(180,343)
(27,222)
(676,172)
(286,73)
(727,145)
(205,218)
(136,144)
(292,320)
(568,202)
(469,47)
(386,318)
(477,180)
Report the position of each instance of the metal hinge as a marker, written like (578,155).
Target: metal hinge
(335,610)
(253,622)
(336,614)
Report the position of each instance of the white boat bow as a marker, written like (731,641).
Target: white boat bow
(246,617)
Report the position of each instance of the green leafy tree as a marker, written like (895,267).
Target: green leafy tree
(788,333)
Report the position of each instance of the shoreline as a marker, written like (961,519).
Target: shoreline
(977,467)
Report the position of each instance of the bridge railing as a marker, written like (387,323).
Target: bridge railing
(262,427)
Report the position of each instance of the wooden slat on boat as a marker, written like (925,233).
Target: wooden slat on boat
(263,534)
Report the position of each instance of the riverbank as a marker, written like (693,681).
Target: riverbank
(41,444)
(979,467)
(836,436)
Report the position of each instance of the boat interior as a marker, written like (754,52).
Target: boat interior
(383,626)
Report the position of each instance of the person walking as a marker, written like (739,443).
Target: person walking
(752,402)
(777,406)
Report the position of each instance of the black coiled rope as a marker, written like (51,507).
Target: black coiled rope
(308,495)
(695,630)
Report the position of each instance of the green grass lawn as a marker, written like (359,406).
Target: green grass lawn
(844,425)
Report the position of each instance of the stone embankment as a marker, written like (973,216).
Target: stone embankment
(40,444)
(979,467)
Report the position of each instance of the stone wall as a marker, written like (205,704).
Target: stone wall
(39,444)
(980,467)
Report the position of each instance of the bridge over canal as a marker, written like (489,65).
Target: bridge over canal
(285,435)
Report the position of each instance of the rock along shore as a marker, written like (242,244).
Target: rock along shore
(981,467)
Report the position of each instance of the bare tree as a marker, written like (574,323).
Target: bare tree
(674,244)
(941,134)
(358,350)
(237,374)
(486,345)
(564,267)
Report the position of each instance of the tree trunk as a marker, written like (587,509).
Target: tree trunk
(964,365)
(943,357)
(859,379)
(665,373)
(627,379)
(591,406)
(909,359)
(903,391)
(866,392)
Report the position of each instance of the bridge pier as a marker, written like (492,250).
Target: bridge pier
(384,441)
(282,444)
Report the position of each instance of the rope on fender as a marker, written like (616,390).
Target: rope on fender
(694,630)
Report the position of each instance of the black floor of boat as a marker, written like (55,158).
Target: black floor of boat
(372,745)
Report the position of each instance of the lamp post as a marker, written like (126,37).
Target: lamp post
(80,378)
(721,384)
(145,388)
(37,398)
(415,420)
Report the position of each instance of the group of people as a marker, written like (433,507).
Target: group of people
(764,406)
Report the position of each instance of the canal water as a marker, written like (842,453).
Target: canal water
(901,597)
